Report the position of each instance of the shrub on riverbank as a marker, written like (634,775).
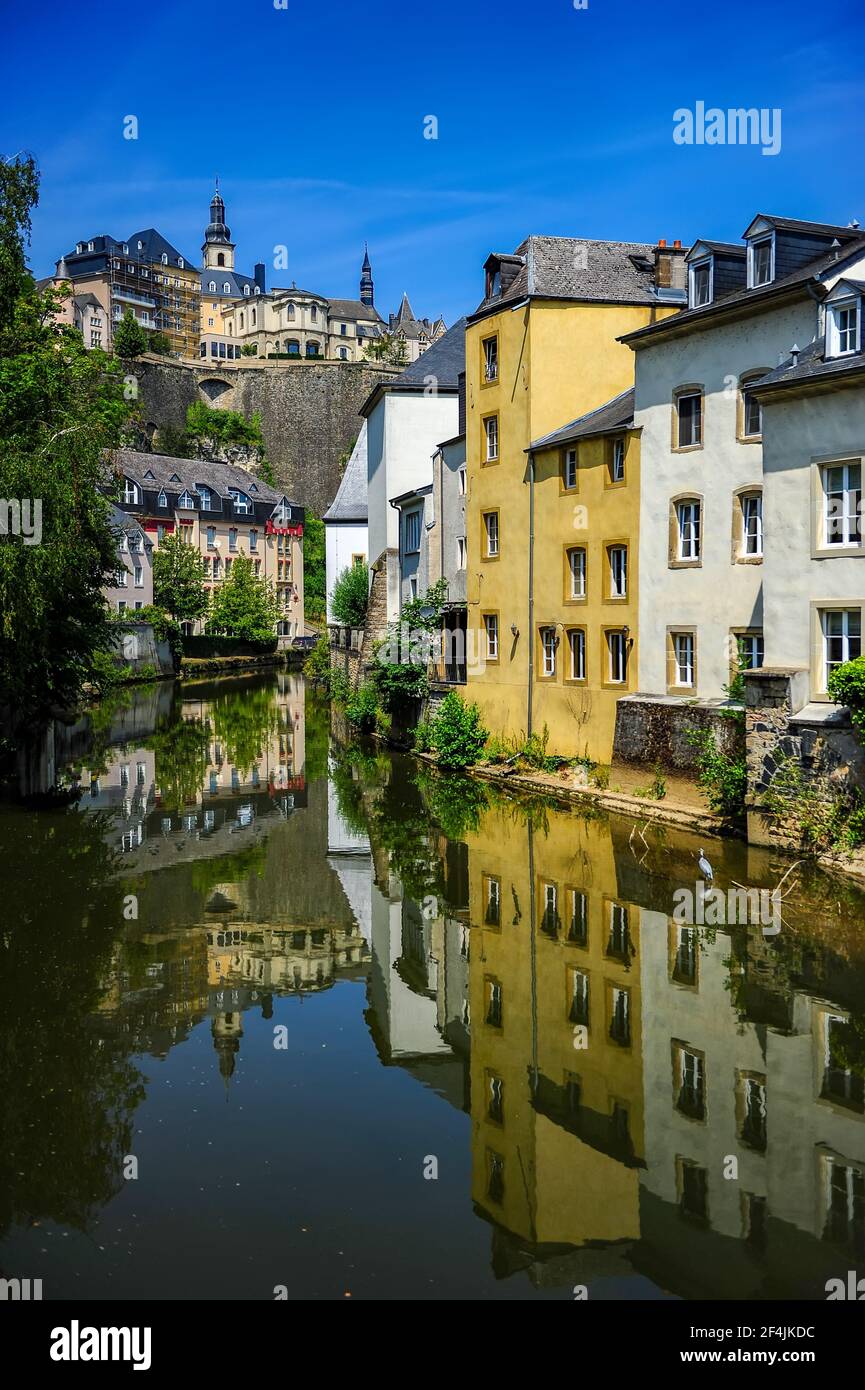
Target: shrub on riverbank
(722,778)
(350,596)
(455,733)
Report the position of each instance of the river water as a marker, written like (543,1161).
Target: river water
(281,1018)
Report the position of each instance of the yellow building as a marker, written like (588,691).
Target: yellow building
(543,349)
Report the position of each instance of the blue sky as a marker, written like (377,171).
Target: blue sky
(550,120)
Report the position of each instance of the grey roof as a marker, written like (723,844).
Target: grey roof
(411,495)
(155,246)
(811,367)
(609,418)
(354,309)
(557,267)
(217,476)
(444,360)
(129,525)
(86,300)
(795,224)
(218,275)
(829,260)
(723,248)
(350,502)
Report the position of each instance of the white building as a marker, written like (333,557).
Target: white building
(701,508)
(406,420)
(813,456)
(345,521)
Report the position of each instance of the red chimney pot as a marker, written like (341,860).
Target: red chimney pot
(677,245)
(663,241)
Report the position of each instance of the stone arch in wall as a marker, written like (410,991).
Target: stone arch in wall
(216,391)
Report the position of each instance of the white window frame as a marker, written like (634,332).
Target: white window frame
(753,247)
(845,637)
(548,650)
(689,529)
(462,553)
(618,561)
(577,650)
(491,632)
(704,263)
(491,437)
(684,643)
(577,571)
(752,535)
(491,358)
(616,641)
(570,468)
(131,493)
(850,509)
(491,529)
(850,335)
(617,472)
(412,532)
(462,480)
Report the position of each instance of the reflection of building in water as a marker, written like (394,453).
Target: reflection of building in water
(768,1089)
(350,857)
(556,1058)
(223,795)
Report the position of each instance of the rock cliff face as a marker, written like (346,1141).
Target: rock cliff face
(309,411)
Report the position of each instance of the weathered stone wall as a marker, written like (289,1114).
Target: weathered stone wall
(309,411)
(655,730)
(817,741)
(137,647)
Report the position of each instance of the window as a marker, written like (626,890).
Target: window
(693,1186)
(550,921)
(290,311)
(493,283)
(343,329)
(162,499)
(569,469)
(253,540)
(577,572)
(343,353)
(684,971)
(689,412)
(491,438)
(186,500)
(216,567)
(493,992)
(495,1177)
(122,578)
(617,461)
(412,585)
(495,1099)
(211,538)
(700,277)
(761,262)
(751,1110)
(205,497)
(578,919)
(842,488)
(688,531)
(131,492)
(491,359)
(618,559)
(577,649)
(617,651)
(461,553)
(242,503)
(578,1011)
(842,638)
(752,523)
(750,650)
(689,1082)
(462,481)
(683,658)
(620,1017)
(122,606)
(313,313)
(845,1205)
(548,651)
(412,532)
(491,534)
(843,328)
(493,901)
(232,538)
(139,577)
(491,629)
(752,411)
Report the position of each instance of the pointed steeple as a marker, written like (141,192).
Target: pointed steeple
(367,292)
(218,248)
(405,310)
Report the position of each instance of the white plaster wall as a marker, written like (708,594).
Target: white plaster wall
(797,434)
(342,540)
(402,436)
(720,595)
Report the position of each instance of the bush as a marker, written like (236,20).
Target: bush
(399,684)
(351,595)
(361,709)
(458,736)
(316,668)
(846,685)
(423,736)
(723,779)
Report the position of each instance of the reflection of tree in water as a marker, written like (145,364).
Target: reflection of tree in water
(244,724)
(67,1095)
(456,803)
(181,757)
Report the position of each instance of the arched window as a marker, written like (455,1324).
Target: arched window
(253,318)
(162,499)
(181,263)
(220,260)
(226,288)
(131,492)
(257,290)
(186,500)
(292,347)
(241,318)
(164,257)
(290,311)
(246,289)
(313,313)
(212,287)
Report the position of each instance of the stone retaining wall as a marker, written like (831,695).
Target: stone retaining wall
(654,730)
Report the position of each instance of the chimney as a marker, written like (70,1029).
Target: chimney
(258,274)
(670,268)
(461,403)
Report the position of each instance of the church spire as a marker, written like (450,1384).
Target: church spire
(367,291)
(218,248)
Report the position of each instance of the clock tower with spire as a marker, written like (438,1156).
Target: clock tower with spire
(218,248)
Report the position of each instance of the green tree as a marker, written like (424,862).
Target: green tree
(160,343)
(178,580)
(244,606)
(350,596)
(130,339)
(313,569)
(61,407)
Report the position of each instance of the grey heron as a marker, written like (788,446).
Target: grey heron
(706,868)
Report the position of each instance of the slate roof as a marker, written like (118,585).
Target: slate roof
(556,267)
(350,502)
(220,276)
(155,246)
(811,367)
(354,309)
(724,248)
(444,360)
(609,418)
(121,521)
(219,477)
(795,224)
(828,261)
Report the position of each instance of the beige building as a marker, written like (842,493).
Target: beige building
(133,586)
(222,511)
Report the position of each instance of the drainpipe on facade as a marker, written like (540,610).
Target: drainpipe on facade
(529,641)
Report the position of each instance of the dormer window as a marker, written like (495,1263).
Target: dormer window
(282,513)
(241,501)
(700,283)
(205,497)
(256,290)
(246,289)
(131,492)
(90,246)
(494,282)
(212,287)
(181,263)
(843,327)
(141,245)
(186,500)
(162,499)
(125,248)
(163,258)
(226,288)
(761,262)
